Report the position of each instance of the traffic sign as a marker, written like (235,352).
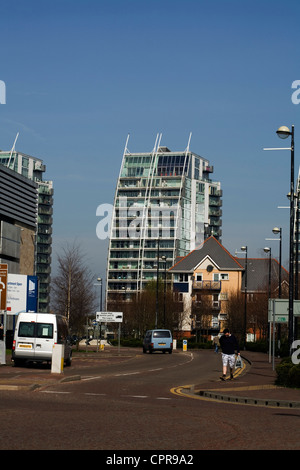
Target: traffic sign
(109,317)
(279,310)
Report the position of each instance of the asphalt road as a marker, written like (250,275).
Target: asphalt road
(130,404)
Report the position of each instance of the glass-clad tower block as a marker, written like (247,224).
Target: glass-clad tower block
(165,205)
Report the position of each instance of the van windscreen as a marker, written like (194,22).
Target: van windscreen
(161,334)
(35,330)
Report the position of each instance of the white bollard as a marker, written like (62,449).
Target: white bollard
(57,363)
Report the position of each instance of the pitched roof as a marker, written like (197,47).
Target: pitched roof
(211,249)
(258,273)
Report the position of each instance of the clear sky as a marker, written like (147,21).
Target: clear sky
(82,74)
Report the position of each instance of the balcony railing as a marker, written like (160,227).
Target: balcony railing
(207,285)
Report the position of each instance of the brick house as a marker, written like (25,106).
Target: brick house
(204,279)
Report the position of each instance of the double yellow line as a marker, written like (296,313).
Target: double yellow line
(180,389)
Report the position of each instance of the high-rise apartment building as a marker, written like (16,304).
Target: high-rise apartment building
(165,205)
(33,168)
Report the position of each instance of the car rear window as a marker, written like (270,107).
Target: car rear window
(35,330)
(161,334)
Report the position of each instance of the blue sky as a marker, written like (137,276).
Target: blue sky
(82,74)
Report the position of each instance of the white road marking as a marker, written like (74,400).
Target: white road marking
(91,378)
(128,373)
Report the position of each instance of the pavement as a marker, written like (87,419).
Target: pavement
(253,385)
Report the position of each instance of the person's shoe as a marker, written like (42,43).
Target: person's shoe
(223,377)
(231,376)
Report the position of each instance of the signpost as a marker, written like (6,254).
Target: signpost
(3,297)
(111,317)
(278,312)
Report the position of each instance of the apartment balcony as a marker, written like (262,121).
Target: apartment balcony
(215,201)
(213,212)
(216,305)
(44,249)
(45,190)
(45,210)
(215,222)
(207,285)
(208,168)
(45,219)
(42,230)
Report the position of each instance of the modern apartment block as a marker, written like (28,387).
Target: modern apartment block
(165,205)
(32,168)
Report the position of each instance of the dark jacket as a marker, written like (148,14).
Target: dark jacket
(229,344)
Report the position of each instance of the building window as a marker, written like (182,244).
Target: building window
(181,277)
(221,277)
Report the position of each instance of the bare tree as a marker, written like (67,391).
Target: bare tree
(235,314)
(73,291)
(140,313)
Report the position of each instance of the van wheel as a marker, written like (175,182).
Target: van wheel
(170,351)
(144,350)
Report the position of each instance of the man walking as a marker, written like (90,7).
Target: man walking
(229,345)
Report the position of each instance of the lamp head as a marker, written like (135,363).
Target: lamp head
(283,132)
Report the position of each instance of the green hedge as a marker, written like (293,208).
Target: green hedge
(288,374)
(192,344)
(129,343)
(257,346)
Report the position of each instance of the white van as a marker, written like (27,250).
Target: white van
(34,337)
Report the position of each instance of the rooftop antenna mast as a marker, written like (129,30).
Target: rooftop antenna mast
(12,150)
(188,146)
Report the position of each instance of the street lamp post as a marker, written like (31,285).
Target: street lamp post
(164,258)
(268,250)
(277,230)
(284,132)
(245,249)
(99,279)
(157,280)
